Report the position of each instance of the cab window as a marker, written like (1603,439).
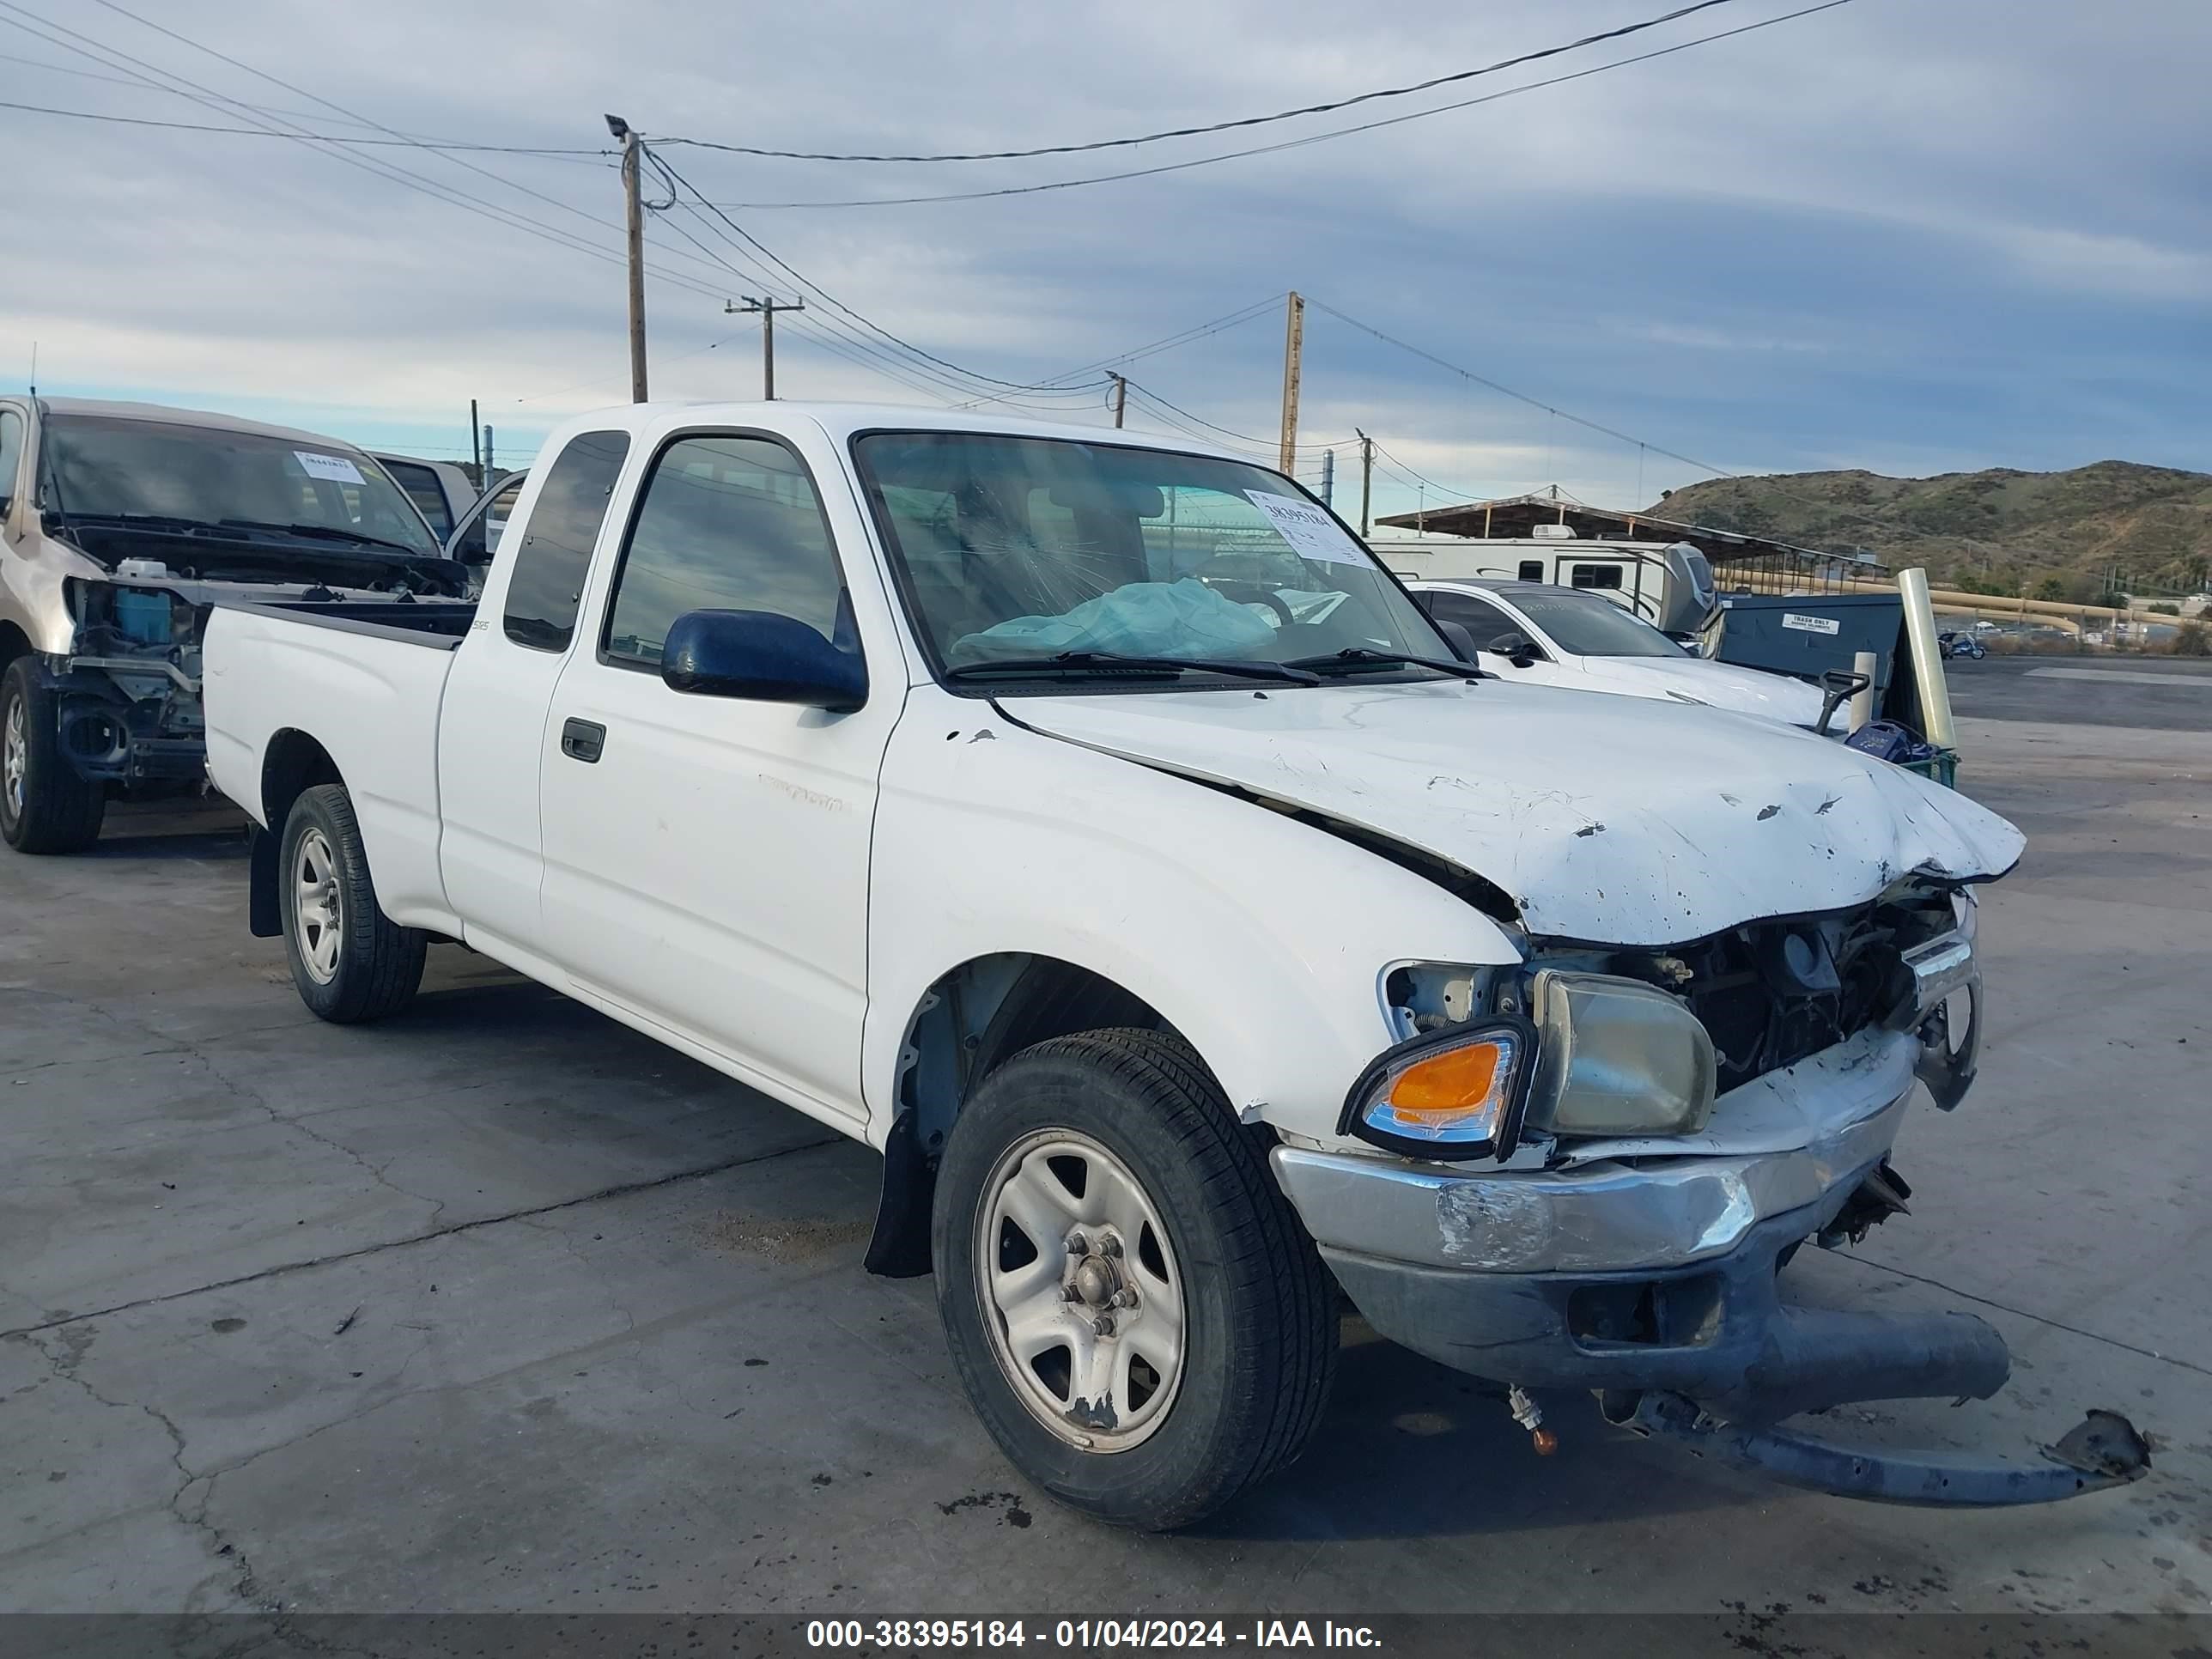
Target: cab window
(727,523)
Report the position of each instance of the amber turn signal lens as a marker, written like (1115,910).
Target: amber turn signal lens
(1441,1090)
(1458,1095)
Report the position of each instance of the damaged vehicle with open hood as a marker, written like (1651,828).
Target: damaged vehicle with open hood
(121,525)
(1089,824)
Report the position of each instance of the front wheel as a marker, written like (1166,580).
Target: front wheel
(1134,1311)
(349,960)
(45,806)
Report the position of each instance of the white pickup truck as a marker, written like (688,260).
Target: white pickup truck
(1092,825)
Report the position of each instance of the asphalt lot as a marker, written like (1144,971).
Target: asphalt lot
(500,1306)
(2168,694)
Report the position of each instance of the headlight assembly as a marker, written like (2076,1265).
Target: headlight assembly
(1617,1057)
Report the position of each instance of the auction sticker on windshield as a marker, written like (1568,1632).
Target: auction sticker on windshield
(1309,530)
(336,468)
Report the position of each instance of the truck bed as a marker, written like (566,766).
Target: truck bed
(361,683)
(440,624)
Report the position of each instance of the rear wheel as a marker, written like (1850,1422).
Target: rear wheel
(349,960)
(1136,1314)
(45,806)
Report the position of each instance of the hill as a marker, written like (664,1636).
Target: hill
(1996,530)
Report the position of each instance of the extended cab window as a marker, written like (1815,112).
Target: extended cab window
(726,524)
(548,583)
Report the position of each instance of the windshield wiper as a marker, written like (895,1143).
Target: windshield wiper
(331,533)
(1358,658)
(137,520)
(1080,661)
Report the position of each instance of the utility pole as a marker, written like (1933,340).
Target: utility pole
(765,308)
(635,226)
(1294,335)
(1121,395)
(1328,478)
(475,442)
(1366,478)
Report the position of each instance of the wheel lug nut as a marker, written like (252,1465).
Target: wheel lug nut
(1103,1325)
(1077,1244)
(1125,1297)
(1110,1245)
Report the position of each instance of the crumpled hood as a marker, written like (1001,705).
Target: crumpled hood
(1614,821)
(1716,685)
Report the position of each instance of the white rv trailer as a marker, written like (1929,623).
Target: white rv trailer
(1668,584)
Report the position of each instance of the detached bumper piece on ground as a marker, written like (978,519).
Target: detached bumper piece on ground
(2103,1451)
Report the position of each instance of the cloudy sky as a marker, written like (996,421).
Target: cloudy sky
(1913,235)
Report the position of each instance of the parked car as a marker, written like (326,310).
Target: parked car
(475,535)
(1958,642)
(1669,585)
(441,490)
(1580,639)
(123,523)
(1188,951)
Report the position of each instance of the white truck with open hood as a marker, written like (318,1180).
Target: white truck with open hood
(1090,824)
(121,525)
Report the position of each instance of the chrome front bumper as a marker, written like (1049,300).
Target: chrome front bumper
(1777,1146)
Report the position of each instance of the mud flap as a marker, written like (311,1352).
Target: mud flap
(899,1248)
(262,920)
(2104,1450)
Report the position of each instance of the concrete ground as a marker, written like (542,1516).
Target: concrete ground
(500,1306)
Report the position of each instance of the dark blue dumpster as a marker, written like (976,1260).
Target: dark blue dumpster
(1809,633)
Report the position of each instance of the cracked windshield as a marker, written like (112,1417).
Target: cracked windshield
(1055,557)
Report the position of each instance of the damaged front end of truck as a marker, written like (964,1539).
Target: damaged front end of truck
(1678,1124)
(1742,955)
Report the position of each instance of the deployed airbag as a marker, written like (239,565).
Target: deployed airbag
(1185,619)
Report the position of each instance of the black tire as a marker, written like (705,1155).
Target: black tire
(1259,1308)
(60,812)
(375,965)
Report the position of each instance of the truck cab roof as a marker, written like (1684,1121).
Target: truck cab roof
(118,410)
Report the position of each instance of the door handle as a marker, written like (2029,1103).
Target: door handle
(583,740)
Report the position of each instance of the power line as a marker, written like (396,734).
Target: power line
(265,132)
(848,343)
(679,182)
(1185,337)
(1266,444)
(577,157)
(115,57)
(882,363)
(1220,126)
(1289,144)
(1407,474)
(1642,444)
(329,104)
(1503,390)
